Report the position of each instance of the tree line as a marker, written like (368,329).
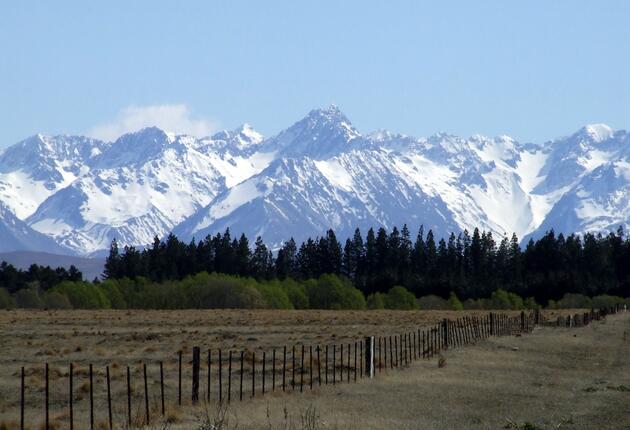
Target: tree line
(472,266)
(13,279)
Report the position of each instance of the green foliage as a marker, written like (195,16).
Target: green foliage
(454,302)
(606,301)
(433,302)
(297,293)
(275,295)
(501,299)
(28,298)
(332,292)
(399,298)
(112,291)
(376,301)
(574,301)
(83,295)
(6,301)
(530,303)
(56,300)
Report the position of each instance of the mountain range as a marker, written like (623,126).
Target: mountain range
(72,195)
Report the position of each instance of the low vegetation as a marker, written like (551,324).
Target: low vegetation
(218,291)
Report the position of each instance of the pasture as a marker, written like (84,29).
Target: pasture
(495,381)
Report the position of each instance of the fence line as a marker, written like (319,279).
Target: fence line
(364,358)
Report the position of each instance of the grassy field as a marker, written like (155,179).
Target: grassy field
(489,385)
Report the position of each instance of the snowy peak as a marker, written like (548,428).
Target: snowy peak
(322,133)
(134,148)
(595,133)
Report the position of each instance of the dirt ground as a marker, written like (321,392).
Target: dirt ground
(553,379)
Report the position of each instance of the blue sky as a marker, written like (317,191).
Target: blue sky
(531,69)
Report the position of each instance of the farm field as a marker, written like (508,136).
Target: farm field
(131,338)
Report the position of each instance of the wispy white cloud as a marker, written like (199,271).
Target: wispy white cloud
(176,118)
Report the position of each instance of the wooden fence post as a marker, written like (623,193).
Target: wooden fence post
(196,366)
(302,371)
(263,371)
(208,394)
(369,356)
(273,371)
(284,367)
(229,376)
(334,370)
(146,394)
(445,333)
(293,369)
(179,380)
(220,378)
(109,399)
(348,368)
(47,400)
(128,397)
(22,398)
(240,390)
(253,373)
(326,364)
(91,401)
(319,368)
(162,387)
(310,365)
(71,397)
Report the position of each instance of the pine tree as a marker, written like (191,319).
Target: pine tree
(112,262)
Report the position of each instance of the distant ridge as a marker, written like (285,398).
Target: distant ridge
(90,267)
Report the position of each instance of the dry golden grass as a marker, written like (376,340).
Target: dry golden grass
(130,338)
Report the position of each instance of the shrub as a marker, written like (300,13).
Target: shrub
(433,302)
(56,300)
(112,291)
(574,301)
(455,303)
(6,301)
(297,293)
(28,298)
(376,301)
(274,295)
(224,292)
(332,292)
(530,303)
(400,298)
(606,301)
(83,295)
(501,299)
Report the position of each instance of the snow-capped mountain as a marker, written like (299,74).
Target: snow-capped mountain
(142,186)
(319,173)
(16,235)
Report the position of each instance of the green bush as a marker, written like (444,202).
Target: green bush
(112,291)
(501,299)
(6,301)
(56,300)
(530,303)
(606,301)
(332,292)
(28,298)
(575,301)
(433,302)
(274,295)
(217,291)
(376,301)
(83,295)
(455,303)
(297,293)
(400,298)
